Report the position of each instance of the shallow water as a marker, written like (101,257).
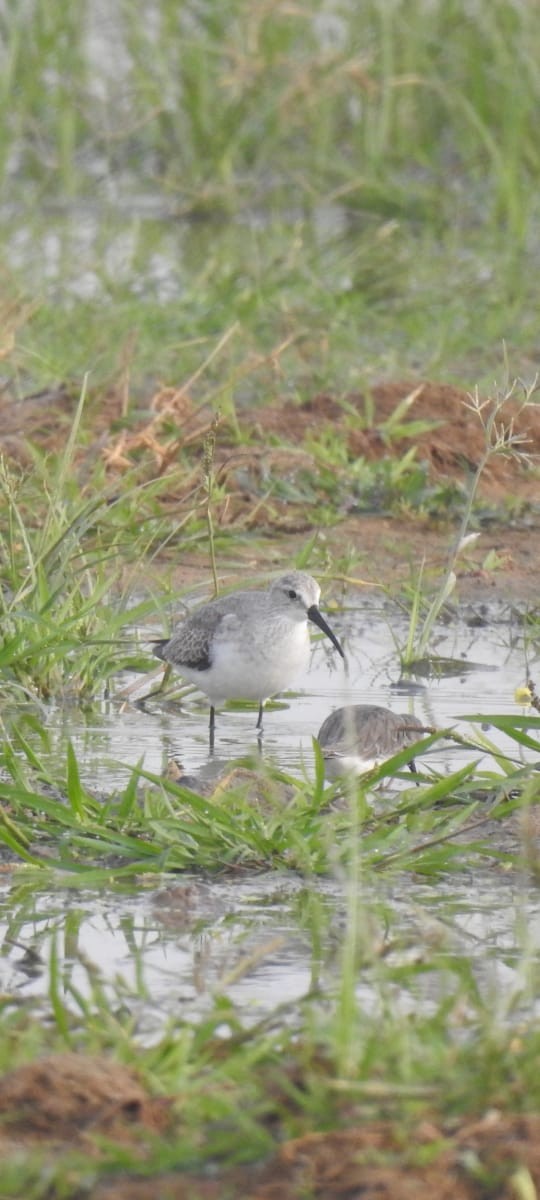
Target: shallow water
(166,947)
(495,661)
(167,951)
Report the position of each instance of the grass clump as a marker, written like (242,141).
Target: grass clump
(63,612)
(256,817)
(399,1020)
(70,551)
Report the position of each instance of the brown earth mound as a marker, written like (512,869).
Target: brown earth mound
(64,1096)
(444,428)
(61,1102)
(496,1158)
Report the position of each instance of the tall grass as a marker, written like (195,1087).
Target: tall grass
(69,593)
(414,123)
(210,101)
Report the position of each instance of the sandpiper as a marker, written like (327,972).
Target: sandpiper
(357,738)
(250,644)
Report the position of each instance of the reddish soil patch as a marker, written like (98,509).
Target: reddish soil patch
(450,437)
(377,1162)
(452,441)
(166,436)
(59,1103)
(446,433)
(454,444)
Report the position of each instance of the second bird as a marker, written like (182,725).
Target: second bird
(357,738)
(250,644)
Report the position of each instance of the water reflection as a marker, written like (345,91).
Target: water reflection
(170,950)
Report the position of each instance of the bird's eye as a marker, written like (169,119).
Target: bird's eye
(292,594)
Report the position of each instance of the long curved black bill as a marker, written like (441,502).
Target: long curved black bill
(316,616)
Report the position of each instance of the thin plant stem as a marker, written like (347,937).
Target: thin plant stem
(209,480)
(499,438)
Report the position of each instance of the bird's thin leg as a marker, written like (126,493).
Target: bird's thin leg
(211,727)
(259,724)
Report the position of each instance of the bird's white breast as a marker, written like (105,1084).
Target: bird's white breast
(254,663)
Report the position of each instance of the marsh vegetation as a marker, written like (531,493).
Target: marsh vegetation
(263,268)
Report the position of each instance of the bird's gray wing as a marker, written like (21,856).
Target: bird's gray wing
(191,643)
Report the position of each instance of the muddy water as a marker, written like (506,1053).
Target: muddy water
(166,947)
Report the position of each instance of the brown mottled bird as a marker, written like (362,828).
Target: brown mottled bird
(357,738)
